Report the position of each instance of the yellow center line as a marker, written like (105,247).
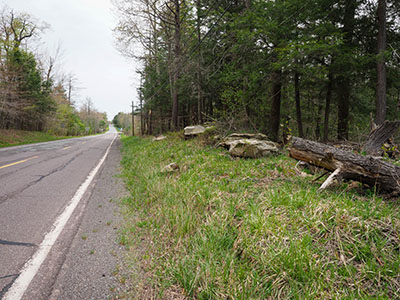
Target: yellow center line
(66,148)
(18,162)
(83,143)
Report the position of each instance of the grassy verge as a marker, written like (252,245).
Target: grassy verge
(222,228)
(20,137)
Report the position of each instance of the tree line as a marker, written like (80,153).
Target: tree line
(32,96)
(321,69)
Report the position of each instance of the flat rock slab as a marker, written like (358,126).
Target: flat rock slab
(232,138)
(257,136)
(193,130)
(252,148)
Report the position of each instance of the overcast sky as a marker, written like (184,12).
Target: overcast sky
(83,28)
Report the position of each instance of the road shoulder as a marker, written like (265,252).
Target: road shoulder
(87,272)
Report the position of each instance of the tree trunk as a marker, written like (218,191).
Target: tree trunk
(275,114)
(343,80)
(176,68)
(366,169)
(343,109)
(327,107)
(150,122)
(381,67)
(199,63)
(318,119)
(298,106)
(377,137)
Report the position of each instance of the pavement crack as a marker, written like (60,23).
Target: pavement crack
(41,177)
(11,243)
(7,286)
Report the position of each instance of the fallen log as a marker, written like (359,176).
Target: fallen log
(379,135)
(347,165)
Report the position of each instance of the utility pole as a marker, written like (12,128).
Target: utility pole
(133,119)
(141,115)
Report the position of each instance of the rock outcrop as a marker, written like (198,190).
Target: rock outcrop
(249,145)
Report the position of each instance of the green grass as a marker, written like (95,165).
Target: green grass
(19,137)
(224,228)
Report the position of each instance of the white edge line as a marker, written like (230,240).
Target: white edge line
(32,266)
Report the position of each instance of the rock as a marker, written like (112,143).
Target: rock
(226,142)
(172,167)
(190,131)
(257,136)
(252,148)
(159,138)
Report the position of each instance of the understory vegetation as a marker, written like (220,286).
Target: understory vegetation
(225,228)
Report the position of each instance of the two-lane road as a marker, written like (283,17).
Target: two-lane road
(37,183)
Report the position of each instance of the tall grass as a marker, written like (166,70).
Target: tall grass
(223,228)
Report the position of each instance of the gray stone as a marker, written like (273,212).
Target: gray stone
(257,136)
(252,148)
(226,142)
(193,130)
(172,167)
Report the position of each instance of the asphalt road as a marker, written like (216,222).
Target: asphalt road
(37,182)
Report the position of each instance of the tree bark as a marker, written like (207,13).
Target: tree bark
(327,107)
(298,106)
(377,137)
(275,114)
(381,66)
(318,119)
(366,169)
(343,81)
(176,69)
(199,62)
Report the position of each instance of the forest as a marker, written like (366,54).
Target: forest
(35,95)
(320,69)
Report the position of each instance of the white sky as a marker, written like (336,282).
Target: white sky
(83,28)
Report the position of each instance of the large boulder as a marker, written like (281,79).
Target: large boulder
(252,148)
(191,131)
(227,142)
